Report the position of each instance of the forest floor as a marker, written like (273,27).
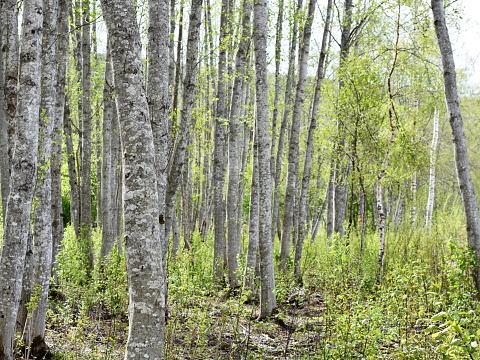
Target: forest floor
(209,328)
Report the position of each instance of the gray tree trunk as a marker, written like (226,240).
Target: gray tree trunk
(43,232)
(307,166)
(10,53)
(72,169)
(293,149)
(459,141)
(341,169)
(146,278)
(219,159)
(158,102)
(234,202)
(62,53)
(110,163)
(187,122)
(22,180)
(252,251)
(283,126)
(267,276)
(86,141)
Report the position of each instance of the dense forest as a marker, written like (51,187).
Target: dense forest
(237,180)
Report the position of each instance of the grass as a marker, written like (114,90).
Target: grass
(423,309)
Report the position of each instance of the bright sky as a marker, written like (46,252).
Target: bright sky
(466,43)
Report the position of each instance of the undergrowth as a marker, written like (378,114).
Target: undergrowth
(424,308)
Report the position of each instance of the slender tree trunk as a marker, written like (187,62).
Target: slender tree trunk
(307,166)
(4,163)
(459,141)
(42,236)
(86,141)
(234,201)
(187,122)
(72,169)
(252,252)
(22,180)
(110,163)
(292,171)
(219,159)
(341,168)
(62,53)
(433,162)
(267,277)
(143,243)
(283,126)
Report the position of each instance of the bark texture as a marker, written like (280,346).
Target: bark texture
(267,277)
(22,180)
(141,214)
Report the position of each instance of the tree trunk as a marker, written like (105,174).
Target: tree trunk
(283,126)
(22,180)
(252,252)
(187,122)
(158,102)
(110,163)
(433,163)
(219,160)
(146,278)
(62,53)
(292,172)
(307,167)
(459,141)
(233,196)
(267,277)
(42,236)
(9,17)
(86,142)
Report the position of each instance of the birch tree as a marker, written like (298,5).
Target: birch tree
(43,232)
(292,171)
(142,234)
(234,201)
(22,180)
(267,277)
(431,179)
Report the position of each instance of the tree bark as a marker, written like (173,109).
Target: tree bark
(267,277)
(86,141)
(307,166)
(9,17)
(62,53)
(234,202)
(22,180)
(286,115)
(431,181)
(146,278)
(292,171)
(219,159)
(459,141)
(43,232)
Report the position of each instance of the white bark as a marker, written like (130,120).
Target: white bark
(86,140)
(43,235)
(219,158)
(234,203)
(293,156)
(433,162)
(307,167)
(267,277)
(22,180)
(142,235)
